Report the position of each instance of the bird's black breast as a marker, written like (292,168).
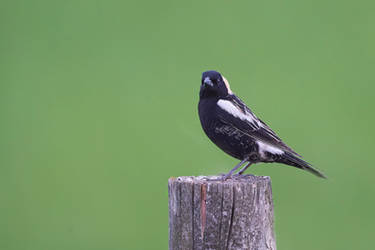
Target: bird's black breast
(227,137)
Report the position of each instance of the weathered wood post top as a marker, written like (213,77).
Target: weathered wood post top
(208,213)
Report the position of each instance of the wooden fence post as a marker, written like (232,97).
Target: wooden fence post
(214,214)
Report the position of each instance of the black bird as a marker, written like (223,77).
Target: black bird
(231,125)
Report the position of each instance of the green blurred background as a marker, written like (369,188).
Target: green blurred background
(98,105)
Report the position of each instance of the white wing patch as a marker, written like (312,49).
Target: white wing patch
(232,109)
(264,147)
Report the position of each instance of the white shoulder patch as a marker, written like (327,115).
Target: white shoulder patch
(232,109)
(264,147)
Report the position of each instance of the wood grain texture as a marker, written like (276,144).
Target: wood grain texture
(207,213)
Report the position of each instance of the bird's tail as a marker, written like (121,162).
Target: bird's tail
(292,160)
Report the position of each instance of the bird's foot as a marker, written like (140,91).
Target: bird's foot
(229,175)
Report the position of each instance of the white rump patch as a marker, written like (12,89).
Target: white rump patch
(264,147)
(227,85)
(232,109)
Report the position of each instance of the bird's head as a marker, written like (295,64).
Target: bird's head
(214,85)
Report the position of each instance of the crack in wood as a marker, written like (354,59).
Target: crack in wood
(203,208)
(221,212)
(192,215)
(231,217)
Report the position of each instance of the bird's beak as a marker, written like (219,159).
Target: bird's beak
(207,81)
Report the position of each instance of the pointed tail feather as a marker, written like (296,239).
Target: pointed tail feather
(292,160)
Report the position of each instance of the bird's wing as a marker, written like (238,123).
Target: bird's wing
(237,114)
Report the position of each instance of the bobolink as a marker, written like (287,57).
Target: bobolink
(231,125)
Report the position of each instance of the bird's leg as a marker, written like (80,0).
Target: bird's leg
(235,168)
(244,168)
